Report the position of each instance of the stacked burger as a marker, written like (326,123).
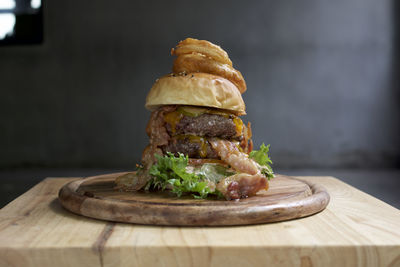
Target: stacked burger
(198,145)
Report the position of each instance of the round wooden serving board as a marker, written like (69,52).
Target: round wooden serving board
(287,198)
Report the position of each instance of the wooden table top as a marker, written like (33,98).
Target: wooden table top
(355,229)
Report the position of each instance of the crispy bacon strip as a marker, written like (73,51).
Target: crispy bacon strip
(155,129)
(247,143)
(158,135)
(229,153)
(132,181)
(242,185)
(248,181)
(197,162)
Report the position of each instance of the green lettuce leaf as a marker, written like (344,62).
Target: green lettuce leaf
(262,158)
(214,172)
(171,170)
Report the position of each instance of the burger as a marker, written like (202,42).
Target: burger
(198,144)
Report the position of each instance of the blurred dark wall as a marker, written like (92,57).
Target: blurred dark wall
(322,79)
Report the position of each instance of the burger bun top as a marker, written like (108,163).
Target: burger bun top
(197,89)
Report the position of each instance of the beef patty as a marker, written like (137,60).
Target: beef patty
(193,146)
(207,125)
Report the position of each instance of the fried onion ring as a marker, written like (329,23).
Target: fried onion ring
(190,45)
(196,62)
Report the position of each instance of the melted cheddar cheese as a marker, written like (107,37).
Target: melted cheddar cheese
(239,126)
(199,140)
(173,119)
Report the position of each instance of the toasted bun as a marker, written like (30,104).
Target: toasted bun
(197,89)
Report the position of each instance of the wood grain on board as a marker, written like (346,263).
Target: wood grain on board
(355,229)
(286,198)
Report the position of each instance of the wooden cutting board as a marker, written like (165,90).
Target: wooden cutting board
(287,198)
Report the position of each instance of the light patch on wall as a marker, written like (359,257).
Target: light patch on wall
(36,3)
(7,4)
(7,22)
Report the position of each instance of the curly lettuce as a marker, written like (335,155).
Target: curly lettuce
(173,173)
(262,158)
(170,172)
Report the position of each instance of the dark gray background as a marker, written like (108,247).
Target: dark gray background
(322,79)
